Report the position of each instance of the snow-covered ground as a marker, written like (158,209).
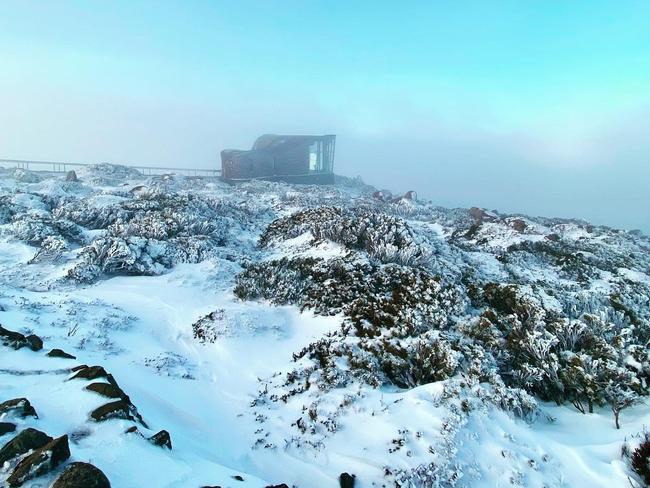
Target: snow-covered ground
(135,311)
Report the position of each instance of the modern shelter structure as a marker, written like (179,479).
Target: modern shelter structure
(295,159)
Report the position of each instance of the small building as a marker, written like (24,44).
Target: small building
(294,159)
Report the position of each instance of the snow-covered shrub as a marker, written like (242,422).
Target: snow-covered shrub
(383,237)
(391,313)
(35,229)
(640,459)
(583,360)
(51,250)
(206,328)
(155,231)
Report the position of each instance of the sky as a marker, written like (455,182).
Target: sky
(533,106)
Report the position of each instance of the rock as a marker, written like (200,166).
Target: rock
(82,475)
(282,485)
(41,461)
(19,406)
(119,409)
(238,478)
(477,214)
(108,390)
(17,340)
(58,353)
(162,439)
(25,441)
(519,225)
(6,427)
(92,373)
(346,480)
(35,343)
(553,237)
(71,176)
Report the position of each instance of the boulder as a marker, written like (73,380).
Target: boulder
(119,409)
(108,390)
(281,485)
(6,428)
(71,176)
(17,340)
(25,441)
(519,225)
(161,439)
(92,373)
(82,475)
(346,480)
(477,214)
(58,353)
(18,406)
(41,461)
(34,342)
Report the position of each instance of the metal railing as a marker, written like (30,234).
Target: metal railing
(64,167)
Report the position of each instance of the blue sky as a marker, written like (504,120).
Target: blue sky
(531,106)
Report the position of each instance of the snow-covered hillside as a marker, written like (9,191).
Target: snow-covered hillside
(268,334)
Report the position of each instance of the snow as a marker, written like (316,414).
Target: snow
(139,328)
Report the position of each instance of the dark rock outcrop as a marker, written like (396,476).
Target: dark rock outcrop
(18,406)
(17,340)
(41,461)
(24,442)
(7,427)
(119,409)
(281,485)
(162,439)
(108,390)
(519,225)
(346,480)
(92,373)
(59,353)
(71,176)
(82,475)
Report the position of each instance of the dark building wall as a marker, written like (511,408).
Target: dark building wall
(293,160)
(275,157)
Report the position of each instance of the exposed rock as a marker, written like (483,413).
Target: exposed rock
(71,176)
(92,373)
(346,480)
(281,485)
(59,353)
(34,342)
(82,475)
(477,214)
(17,340)
(41,461)
(161,439)
(238,478)
(20,406)
(6,427)
(519,225)
(553,237)
(25,441)
(108,390)
(119,409)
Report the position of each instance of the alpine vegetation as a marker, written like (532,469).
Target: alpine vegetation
(266,334)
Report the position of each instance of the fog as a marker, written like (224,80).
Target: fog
(518,109)
(603,179)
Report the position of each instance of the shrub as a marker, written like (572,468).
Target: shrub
(640,460)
